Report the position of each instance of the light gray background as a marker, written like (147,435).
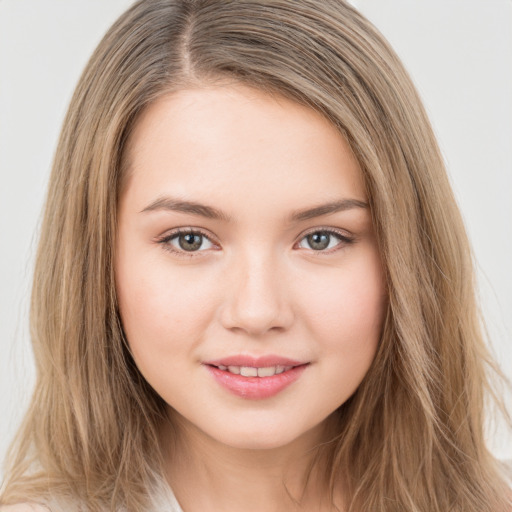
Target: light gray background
(458,52)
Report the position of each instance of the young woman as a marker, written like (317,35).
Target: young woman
(253,288)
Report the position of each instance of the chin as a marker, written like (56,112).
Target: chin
(251,442)
(264,437)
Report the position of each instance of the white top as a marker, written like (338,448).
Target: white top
(166,502)
(23,507)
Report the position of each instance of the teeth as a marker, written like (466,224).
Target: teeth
(267,372)
(249,371)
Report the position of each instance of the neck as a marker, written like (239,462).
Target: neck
(207,475)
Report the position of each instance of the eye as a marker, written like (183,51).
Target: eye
(183,241)
(323,240)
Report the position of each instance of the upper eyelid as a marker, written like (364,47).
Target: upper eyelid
(326,229)
(165,241)
(194,229)
(343,234)
(186,230)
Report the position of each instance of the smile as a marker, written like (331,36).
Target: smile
(249,371)
(255,378)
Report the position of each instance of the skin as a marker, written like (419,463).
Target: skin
(254,287)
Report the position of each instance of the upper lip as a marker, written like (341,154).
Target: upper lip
(254,361)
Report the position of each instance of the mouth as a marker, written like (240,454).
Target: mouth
(251,371)
(255,378)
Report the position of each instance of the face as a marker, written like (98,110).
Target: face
(249,281)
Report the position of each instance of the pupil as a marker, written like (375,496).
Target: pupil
(319,241)
(190,242)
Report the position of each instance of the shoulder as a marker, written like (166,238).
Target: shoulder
(23,507)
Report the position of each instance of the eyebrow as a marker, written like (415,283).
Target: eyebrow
(178,205)
(191,207)
(327,209)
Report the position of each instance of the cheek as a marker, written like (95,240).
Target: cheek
(345,309)
(161,306)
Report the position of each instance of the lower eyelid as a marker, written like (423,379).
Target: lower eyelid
(203,239)
(166,239)
(344,239)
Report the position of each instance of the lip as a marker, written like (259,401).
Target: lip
(255,388)
(254,361)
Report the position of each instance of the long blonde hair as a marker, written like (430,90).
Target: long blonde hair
(411,438)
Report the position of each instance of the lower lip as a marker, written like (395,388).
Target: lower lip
(256,388)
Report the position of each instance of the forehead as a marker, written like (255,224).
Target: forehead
(220,141)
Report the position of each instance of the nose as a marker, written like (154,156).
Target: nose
(256,298)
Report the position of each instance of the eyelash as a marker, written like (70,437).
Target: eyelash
(343,238)
(165,241)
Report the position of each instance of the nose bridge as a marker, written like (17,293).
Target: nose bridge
(257,300)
